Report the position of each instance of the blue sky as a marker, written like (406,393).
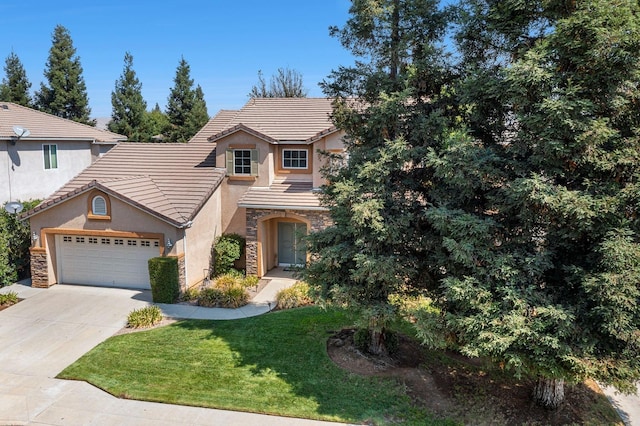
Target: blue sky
(225,43)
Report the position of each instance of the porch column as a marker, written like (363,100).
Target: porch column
(39,270)
(251,250)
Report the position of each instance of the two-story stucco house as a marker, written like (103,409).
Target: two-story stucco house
(255,172)
(40,152)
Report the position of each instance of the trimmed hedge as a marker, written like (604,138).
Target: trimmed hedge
(164,278)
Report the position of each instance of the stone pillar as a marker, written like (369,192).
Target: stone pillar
(39,269)
(182,273)
(251,248)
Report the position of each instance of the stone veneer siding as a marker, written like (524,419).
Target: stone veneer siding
(182,273)
(319,220)
(39,274)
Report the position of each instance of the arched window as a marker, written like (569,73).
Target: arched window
(99,206)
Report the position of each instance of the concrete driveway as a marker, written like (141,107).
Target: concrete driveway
(51,329)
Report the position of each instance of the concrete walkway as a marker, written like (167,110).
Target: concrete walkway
(52,328)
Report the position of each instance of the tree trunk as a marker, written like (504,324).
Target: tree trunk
(376,344)
(549,393)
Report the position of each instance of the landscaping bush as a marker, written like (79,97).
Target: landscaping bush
(8,299)
(227,248)
(227,291)
(295,296)
(165,283)
(251,281)
(144,317)
(190,294)
(210,297)
(15,241)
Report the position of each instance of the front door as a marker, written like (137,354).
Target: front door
(291,248)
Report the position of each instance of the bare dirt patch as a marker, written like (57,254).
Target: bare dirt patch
(463,389)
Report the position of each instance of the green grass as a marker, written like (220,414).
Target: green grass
(275,363)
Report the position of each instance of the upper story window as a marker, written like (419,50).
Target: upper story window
(295,159)
(242,162)
(50,152)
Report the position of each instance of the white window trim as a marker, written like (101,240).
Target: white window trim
(44,158)
(306,159)
(96,211)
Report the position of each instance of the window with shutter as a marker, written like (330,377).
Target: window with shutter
(242,162)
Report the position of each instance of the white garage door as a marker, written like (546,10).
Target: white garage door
(101,261)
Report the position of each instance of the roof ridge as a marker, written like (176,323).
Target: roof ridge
(62,118)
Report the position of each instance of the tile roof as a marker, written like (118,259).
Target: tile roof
(215,125)
(282,119)
(46,126)
(171,181)
(282,196)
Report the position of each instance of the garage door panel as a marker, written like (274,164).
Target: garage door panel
(104,261)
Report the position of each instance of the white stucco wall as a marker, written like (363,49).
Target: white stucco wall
(22,169)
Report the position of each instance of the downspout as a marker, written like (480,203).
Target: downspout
(184,252)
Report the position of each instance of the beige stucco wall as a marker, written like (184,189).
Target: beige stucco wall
(332,143)
(199,237)
(71,217)
(24,168)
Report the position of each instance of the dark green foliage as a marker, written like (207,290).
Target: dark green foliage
(66,93)
(287,83)
(15,241)
(226,250)
(362,339)
(381,243)
(128,116)
(186,108)
(164,278)
(15,85)
(538,215)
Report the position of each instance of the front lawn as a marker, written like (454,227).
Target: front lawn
(275,363)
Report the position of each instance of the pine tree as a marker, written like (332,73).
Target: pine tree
(128,116)
(66,94)
(15,86)
(185,107)
(392,109)
(539,214)
(287,83)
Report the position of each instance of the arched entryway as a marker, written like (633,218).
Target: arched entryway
(280,241)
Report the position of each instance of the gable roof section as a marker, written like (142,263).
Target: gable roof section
(170,181)
(281,120)
(282,196)
(46,126)
(215,125)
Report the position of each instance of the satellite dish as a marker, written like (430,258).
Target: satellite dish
(21,132)
(13,207)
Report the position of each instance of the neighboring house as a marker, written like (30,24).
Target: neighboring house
(255,172)
(136,202)
(271,150)
(40,152)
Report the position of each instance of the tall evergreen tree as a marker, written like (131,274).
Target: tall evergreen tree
(287,83)
(15,86)
(539,214)
(66,94)
(393,109)
(128,116)
(186,108)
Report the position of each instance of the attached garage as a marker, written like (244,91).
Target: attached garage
(105,261)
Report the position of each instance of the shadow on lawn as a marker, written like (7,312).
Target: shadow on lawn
(292,344)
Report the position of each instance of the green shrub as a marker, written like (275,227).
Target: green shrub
(165,283)
(251,281)
(144,317)
(15,241)
(10,298)
(227,248)
(210,297)
(295,296)
(362,339)
(190,294)
(227,291)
